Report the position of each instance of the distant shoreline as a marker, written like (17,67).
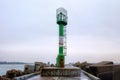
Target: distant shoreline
(14,63)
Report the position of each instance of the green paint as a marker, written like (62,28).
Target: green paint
(61,21)
(60,57)
(61,34)
(61,30)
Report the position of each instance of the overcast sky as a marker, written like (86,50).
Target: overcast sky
(28,30)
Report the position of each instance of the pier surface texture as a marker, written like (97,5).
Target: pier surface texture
(60,72)
(67,75)
(81,77)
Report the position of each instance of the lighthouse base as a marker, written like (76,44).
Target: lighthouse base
(60,60)
(60,72)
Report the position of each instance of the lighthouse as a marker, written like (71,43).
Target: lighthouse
(61,71)
(61,15)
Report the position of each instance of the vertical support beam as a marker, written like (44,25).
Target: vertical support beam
(60,57)
(61,38)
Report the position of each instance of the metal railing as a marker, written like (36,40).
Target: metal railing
(92,77)
(24,77)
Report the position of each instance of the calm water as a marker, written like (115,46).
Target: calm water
(5,67)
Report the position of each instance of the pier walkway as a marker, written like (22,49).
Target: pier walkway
(82,77)
(36,76)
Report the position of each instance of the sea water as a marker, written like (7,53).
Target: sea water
(5,67)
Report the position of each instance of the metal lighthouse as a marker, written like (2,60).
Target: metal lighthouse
(62,22)
(58,72)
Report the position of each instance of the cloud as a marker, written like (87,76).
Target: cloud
(28,28)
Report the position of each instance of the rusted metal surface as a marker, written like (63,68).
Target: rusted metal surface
(60,72)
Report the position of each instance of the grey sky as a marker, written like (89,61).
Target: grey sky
(28,30)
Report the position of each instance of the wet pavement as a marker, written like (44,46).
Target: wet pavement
(38,77)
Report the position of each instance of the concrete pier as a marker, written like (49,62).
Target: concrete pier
(38,77)
(60,72)
(82,75)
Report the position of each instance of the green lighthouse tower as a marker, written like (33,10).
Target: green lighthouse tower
(60,71)
(62,22)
